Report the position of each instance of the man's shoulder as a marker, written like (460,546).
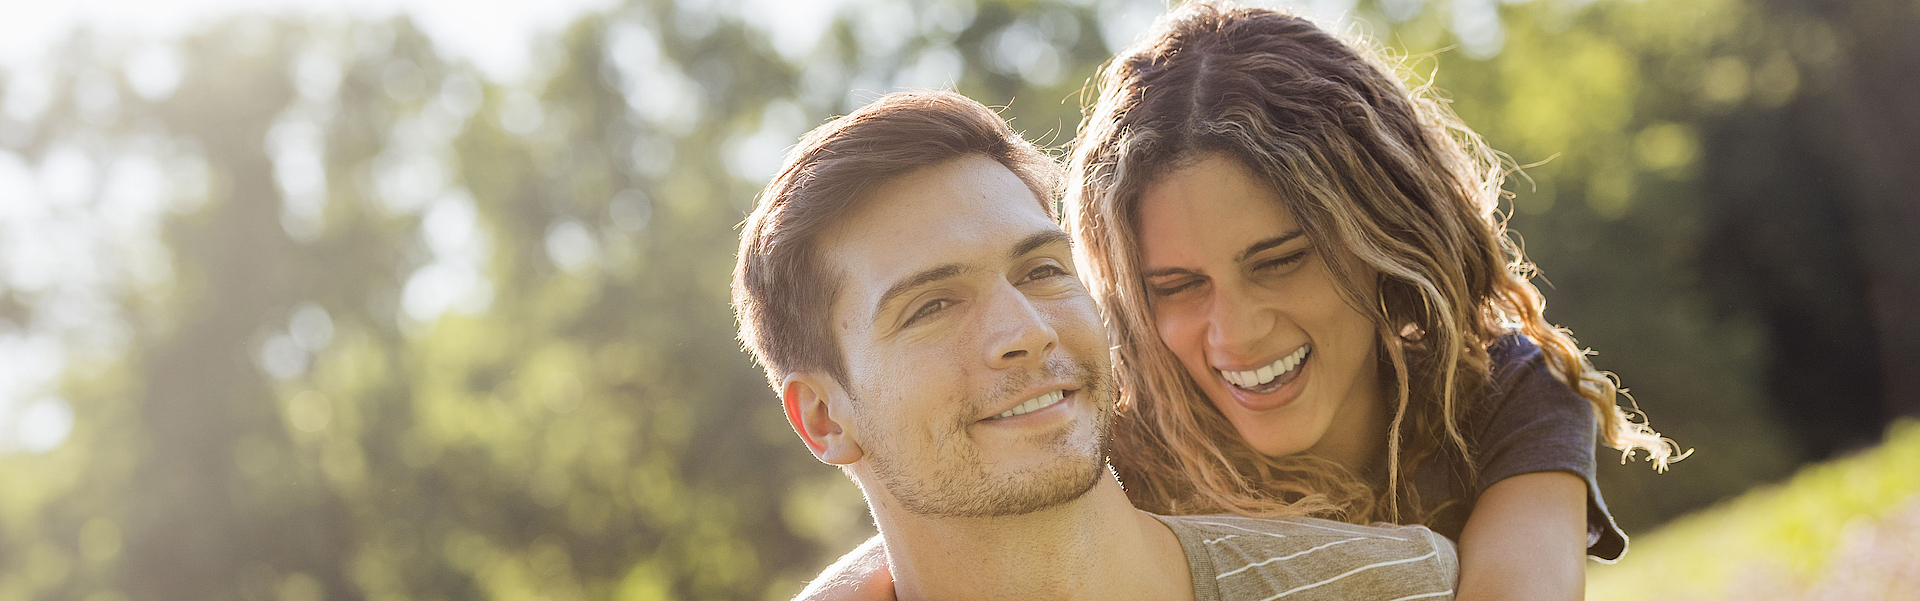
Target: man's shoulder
(1266,528)
(1309,558)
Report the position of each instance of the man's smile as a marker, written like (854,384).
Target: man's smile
(1042,401)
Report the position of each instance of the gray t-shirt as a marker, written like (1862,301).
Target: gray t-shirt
(1237,558)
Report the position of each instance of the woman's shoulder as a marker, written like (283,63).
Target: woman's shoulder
(1510,355)
(1521,388)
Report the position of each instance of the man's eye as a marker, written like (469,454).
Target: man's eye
(928,309)
(1046,271)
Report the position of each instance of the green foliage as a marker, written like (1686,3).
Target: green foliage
(1604,100)
(489,354)
(1785,538)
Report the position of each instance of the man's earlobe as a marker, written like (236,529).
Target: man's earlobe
(810,400)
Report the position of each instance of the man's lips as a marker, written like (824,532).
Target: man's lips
(1035,401)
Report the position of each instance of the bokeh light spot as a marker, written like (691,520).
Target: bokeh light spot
(44,425)
(309,411)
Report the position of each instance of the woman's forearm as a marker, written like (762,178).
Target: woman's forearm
(1526,540)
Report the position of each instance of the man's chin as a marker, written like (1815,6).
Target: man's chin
(1006,477)
(1071,483)
(983,494)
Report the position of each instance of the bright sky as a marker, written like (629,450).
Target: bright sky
(56,246)
(494,34)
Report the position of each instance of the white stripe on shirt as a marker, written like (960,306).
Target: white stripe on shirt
(1426,595)
(1284,557)
(1352,572)
(1285,521)
(1239,528)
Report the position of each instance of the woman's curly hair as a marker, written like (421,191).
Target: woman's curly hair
(1366,165)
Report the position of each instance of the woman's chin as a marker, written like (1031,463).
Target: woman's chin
(1289,429)
(1281,449)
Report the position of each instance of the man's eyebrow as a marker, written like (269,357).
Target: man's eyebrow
(1029,244)
(1038,239)
(1266,244)
(917,280)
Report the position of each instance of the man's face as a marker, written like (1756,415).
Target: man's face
(977,361)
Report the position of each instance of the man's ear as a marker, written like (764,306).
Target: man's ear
(815,408)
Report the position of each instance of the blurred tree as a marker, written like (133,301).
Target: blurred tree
(408,333)
(1816,209)
(1606,100)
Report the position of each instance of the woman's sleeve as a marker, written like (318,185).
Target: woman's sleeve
(1536,423)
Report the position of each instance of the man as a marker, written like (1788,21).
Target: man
(914,303)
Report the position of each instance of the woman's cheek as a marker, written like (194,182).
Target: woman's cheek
(1181,334)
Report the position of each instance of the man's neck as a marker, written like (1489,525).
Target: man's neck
(1094,547)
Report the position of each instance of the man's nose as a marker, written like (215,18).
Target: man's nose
(1019,334)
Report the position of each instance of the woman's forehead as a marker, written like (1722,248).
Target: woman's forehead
(1210,209)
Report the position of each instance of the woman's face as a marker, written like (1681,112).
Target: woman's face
(1253,312)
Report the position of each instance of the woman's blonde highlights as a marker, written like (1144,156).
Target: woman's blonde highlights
(1368,167)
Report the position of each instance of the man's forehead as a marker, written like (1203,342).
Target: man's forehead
(964,211)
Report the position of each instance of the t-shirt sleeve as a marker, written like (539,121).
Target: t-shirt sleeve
(1533,422)
(1235,557)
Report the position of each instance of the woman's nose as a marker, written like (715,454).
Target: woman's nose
(1236,325)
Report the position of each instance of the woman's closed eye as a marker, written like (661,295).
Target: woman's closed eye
(1176,286)
(1277,264)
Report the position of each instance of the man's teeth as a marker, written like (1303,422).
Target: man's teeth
(1034,404)
(1257,377)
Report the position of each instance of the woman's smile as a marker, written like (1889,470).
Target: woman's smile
(1250,305)
(1272,386)
(1269,377)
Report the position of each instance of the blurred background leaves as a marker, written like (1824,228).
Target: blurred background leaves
(301,308)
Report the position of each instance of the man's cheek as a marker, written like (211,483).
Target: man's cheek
(1081,327)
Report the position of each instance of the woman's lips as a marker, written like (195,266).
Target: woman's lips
(1273,395)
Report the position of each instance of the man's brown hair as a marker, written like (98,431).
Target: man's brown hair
(782,293)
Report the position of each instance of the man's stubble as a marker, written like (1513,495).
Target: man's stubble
(960,485)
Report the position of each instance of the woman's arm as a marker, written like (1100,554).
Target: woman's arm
(861,575)
(1526,539)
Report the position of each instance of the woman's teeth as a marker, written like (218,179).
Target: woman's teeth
(1034,404)
(1257,377)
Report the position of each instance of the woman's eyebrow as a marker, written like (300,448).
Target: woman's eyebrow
(1266,244)
(1168,271)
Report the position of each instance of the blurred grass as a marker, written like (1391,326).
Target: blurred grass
(1845,529)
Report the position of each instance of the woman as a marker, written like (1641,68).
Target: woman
(1312,298)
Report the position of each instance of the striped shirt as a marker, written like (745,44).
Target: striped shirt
(1237,558)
